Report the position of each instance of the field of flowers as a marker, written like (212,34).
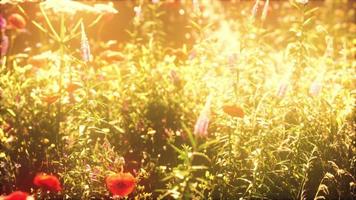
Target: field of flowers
(169,99)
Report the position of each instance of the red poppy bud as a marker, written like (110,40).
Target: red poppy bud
(121,184)
(47,182)
(16,21)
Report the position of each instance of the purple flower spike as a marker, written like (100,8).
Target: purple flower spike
(201,126)
(85,48)
(2,23)
(255,8)
(282,90)
(4,44)
(175,78)
(232,60)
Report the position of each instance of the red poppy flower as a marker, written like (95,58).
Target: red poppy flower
(233,111)
(71,87)
(47,182)
(16,21)
(121,184)
(17,195)
(50,99)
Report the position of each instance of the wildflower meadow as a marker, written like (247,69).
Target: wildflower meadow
(178,99)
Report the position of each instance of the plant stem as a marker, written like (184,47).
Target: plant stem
(61,66)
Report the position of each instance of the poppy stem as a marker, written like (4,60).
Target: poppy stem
(61,66)
(230,149)
(236,83)
(122,169)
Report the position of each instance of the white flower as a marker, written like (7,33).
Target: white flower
(138,14)
(315,88)
(138,11)
(196,6)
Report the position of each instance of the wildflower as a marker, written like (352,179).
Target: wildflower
(196,6)
(232,58)
(16,21)
(302,1)
(85,48)
(201,126)
(282,90)
(18,195)
(255,8)
(2,23)
(50,99)
(121,184)
(315,88)
(4,44)
(71,87)
(94,174)
(175,78)
(265,11)
(138,11)
(192,55)
(233,110)
(47,182)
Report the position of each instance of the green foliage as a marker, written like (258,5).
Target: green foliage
(136,112)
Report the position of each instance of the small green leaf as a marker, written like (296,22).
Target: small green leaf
(11,112)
